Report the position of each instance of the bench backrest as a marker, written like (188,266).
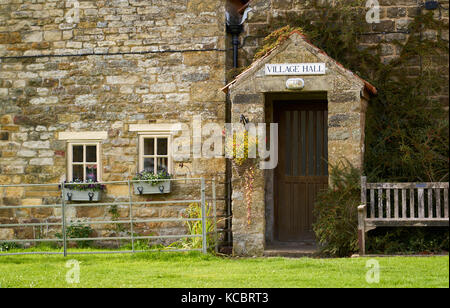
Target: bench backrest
(411,201)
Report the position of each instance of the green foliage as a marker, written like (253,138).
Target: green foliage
(274,39)
(409,240)
(88,185)
(194,211)
(407,130)
(151,177)
(6,246)
(336,212)
(78,230)
(113,210)
(195,270)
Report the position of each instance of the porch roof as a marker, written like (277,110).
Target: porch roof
(369,87)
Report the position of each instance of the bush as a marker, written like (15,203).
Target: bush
(408,240)
(336,212)
(78,230)
(8,246)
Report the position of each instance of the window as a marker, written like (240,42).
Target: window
(154,153)
(84,162)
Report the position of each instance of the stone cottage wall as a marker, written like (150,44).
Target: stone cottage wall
(125,62)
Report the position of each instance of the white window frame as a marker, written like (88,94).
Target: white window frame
(70,162)
(155,135)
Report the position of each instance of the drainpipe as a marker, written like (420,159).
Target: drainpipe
(235,31)
(235,28)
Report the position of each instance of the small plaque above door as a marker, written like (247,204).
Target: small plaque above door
(295,69)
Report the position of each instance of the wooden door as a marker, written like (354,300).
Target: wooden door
(302,169)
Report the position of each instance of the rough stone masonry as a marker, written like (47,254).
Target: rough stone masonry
(124,62)
(116,63)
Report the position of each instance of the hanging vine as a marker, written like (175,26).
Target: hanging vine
(240,148)
(249,177)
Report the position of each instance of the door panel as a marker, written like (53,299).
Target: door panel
(302,170)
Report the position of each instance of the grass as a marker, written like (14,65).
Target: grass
(193,270)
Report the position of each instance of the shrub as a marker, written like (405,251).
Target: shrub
(8,246)
(194,211)
(408,240)
(78,230)
(336,212)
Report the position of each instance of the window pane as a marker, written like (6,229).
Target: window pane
(163,165)
(77,153)
(91,154)
(91,173)
(162,146)
(77,173)
(149,146)
(149,164)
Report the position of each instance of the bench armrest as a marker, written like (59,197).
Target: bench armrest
(362,215)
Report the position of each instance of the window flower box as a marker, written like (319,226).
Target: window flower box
(81,191)
(144,188)
(151,183)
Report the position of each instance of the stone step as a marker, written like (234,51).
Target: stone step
(292,249)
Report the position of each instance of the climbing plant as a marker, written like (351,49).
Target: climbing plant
(407,127)
(407,135)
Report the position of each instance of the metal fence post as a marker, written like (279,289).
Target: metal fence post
(63,215)
(204,231)
(130,198)
(216,238)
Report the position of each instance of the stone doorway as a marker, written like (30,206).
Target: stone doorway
(252,94)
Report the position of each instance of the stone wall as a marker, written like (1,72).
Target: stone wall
(125,62)
(395,16)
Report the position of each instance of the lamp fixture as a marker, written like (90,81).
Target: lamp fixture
(244,120)
(431,5)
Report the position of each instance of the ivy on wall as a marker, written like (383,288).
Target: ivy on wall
(407,136)
(407,126)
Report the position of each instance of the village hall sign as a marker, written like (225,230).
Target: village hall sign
(295,69)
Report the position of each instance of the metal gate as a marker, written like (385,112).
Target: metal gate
(65,206)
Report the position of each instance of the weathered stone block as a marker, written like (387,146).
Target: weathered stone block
(6,234)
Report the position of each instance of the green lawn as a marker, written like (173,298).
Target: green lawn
(195,270)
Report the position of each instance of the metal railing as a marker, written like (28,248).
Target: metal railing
(64,224)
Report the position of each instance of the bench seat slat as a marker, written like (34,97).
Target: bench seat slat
(421,203)
(403,203)
(430,203)
(438,203)
(380,202)
(396,206)
(446,203)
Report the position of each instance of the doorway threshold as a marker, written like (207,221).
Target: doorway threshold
(292,249)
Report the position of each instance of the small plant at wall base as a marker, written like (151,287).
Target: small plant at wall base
(194,211)
(78,230)
(336,212)
(8,246)
(409,241)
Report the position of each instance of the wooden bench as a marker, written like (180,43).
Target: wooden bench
(401,205)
